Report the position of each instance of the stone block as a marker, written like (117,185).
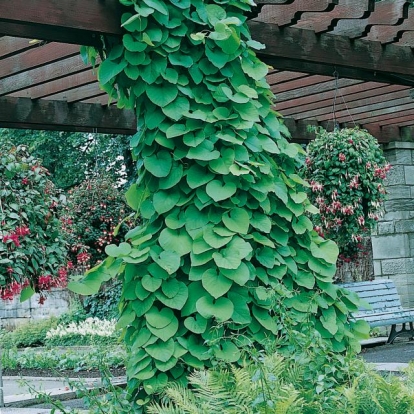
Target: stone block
(409,174)
(399,156)
(399,191)
(397,266)
(405,226)
(12,311)
(377,268)
(396,176)
(399,205)
(386,227)
(397,215)
(391,246)
(398,145)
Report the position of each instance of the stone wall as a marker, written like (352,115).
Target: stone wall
(12,312)
(393,240)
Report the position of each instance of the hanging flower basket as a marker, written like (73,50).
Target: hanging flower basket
(346,170)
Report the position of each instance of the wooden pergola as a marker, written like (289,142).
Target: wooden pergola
(354,55)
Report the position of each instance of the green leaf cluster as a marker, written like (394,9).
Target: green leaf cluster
(225,256)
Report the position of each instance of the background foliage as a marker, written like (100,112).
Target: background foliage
(73,157)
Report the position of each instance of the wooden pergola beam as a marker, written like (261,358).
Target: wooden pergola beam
(302,50)
(61,116)
(82,22)
(75,21)
(299,130)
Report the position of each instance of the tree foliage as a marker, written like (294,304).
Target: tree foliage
(226,255)
(73,157)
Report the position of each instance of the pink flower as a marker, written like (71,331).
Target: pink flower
(336,205)
(361,220)
(354,182)
(25,181)
(347,210)
(14,238)
(22,231)
(316,187)
(83,257)
(341,157)
(44,282)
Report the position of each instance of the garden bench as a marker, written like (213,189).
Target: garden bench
(386,308)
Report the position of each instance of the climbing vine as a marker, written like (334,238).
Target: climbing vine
(226,254)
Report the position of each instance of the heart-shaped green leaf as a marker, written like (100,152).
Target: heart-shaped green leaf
(159,164)
(221,309)
(326,250)
(218,192)
(237,220)
(113,250)
(159,318)
(164,201)
(215,283)
(166,332)
(162,94)
(176,108)
(241,313)
(161,351)
(241,275)
(203,152)
(198,176)
(198,325)
(169,261)
(176,241)
(173,178)
(228,351)
(213,239)
(151,284)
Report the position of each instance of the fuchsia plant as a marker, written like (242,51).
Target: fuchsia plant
(32,249)
(346,170)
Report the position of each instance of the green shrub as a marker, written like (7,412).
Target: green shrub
(59,359)
(28,334)
(105,304)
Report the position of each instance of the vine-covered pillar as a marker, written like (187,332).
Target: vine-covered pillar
(226,257)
